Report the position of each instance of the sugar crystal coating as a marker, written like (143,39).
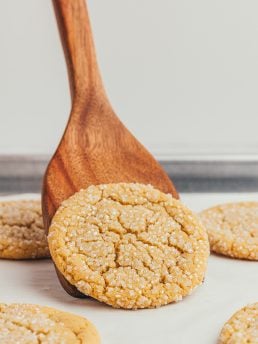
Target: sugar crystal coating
(32,324)
(129,245)
(22,234)
(242,327)
(233,229)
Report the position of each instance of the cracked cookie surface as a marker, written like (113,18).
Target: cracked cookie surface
(22,235)
(242,327)
(29,324)
(129,245)
(233,229)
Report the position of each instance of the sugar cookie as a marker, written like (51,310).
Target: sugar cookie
(22,234)
(29,324)
(233,229)
(242,327)
(129,245)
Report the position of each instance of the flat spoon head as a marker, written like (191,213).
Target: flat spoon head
(96,148)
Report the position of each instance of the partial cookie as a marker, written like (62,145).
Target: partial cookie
(22,234)
(29,324)
(242,327)
(129,245)
(233,229)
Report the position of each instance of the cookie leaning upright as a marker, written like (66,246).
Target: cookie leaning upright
(129,245)
(22,234)
(25,323)
(242,327)
(233,229)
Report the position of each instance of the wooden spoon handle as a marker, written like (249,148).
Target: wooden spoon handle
(75,31)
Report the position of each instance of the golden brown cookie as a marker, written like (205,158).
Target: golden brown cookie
(233,229)
(29,324)
(129,245)
(22,234)
(242,327)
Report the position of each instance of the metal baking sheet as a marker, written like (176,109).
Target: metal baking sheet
(229,284)
(20,174)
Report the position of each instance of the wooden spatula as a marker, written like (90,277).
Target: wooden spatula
(96,148)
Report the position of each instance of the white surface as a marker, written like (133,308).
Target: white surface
(189,65)
(229,285)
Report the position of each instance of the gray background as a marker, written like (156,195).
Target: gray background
(181,74)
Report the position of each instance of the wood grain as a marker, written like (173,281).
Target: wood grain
(96,147)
